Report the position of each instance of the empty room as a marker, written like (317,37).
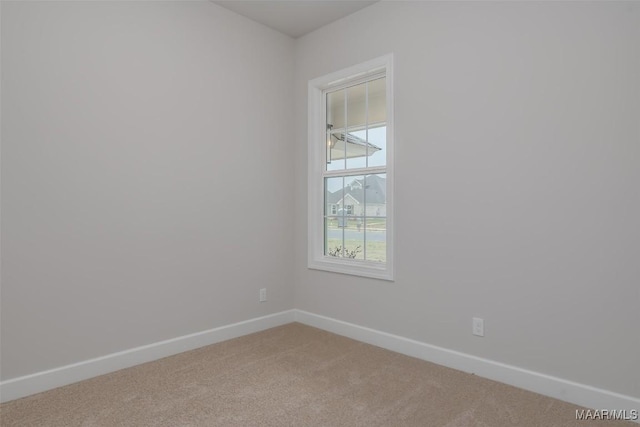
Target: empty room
(320,213)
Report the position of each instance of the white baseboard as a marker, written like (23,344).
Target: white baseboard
(579,394)
(558,388)
(53,378)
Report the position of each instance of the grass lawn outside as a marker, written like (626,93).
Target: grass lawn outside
(354,234)
(376,251)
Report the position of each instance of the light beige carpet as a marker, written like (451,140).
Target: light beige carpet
(292,375)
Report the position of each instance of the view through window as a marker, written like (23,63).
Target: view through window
(355,182)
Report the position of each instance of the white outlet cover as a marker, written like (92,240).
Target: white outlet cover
(478,327)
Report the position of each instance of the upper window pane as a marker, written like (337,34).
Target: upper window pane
(376,137)
(356,120)
(335,127)
(357,106)
(356,126)
(378,102)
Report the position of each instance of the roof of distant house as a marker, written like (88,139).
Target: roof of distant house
(372,188)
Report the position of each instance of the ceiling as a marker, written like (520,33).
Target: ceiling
(295,18)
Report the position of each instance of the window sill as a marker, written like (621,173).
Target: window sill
(353,268)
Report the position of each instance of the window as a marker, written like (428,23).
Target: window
(351,170)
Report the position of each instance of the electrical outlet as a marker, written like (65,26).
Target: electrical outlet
(263,294)
(478,327)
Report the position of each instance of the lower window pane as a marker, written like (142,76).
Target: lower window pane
(333,195)
(354,238)
(355,225)
(332,235)
(376,195)
(376,239)
(344,237)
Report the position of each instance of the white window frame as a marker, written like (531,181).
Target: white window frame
(316,164)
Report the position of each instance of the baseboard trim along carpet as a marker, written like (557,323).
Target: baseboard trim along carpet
(57,377)
(579,394)
(558,388)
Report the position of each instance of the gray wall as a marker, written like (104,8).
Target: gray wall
(517,182)
(145,175)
